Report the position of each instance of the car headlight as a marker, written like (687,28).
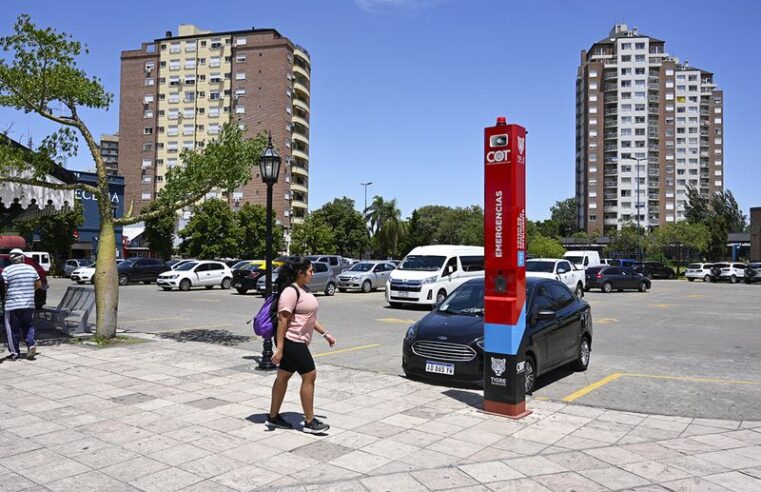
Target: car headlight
(480,343)
(430,280)
(172,276)
(411,333)
(355,277)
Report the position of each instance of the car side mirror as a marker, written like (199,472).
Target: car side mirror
(545,314)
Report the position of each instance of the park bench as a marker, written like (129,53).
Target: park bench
(73,312)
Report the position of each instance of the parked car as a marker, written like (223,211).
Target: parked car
(753,272)
(322,280)
(654,270)
(333,262)
(698,271)
(71,265)
(562,270)
(448,345)
(609,278)
(202,273)
(41,257)
(144,270)
(365,276)
(583,259)
(731,272)
(429,273)
(246,273)
(83,275)
(40,295)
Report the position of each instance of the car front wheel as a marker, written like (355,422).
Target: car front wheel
(367,286)
(441,296)
(607,287)
(530,373)
(185,285)
(643,287)
(733,279)
(579,291)
(330,289)
(706,278)
(583,355)
(123,279)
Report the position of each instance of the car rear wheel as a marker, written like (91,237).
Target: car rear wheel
(670,276)
(579,291)
(607,287)
(441,296)
(185,285)
(530,373)
(367,286)
(643,286)
(706,278)
(241,291)
(733,279)
(583,355)
(123,279)
(226,283)
(330,289)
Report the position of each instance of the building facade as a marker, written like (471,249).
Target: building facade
(109,151)
(648,127)
(87,234)
(177,91)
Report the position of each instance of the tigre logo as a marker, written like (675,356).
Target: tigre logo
(498,366)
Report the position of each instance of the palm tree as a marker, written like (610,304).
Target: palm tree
(386,224)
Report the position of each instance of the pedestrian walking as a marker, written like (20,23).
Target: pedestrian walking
(297,320)
(19,281)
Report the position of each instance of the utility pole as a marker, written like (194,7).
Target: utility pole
(365,185)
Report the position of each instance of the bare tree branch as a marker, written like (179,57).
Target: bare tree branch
(160,211)
(52,186)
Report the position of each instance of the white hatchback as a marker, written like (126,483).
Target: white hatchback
(197,274)
(700,271)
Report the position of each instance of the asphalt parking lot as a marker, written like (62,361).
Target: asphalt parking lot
(689,349)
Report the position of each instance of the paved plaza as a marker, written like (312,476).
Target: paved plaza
(165,415)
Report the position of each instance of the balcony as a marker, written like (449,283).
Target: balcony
(296,220)
(298,187)
(611,135)
(301,104)
(298,120)
(610,75)
(611,173)
(300,170)
(610,209)
(298,69)
(300,87)
(301,139)
(611,160)
(298,204)
(300,154)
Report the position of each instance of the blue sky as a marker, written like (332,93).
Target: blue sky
(402,89)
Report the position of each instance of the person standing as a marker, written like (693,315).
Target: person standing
(297,320)
(20,281)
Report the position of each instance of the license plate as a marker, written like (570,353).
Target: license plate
(403,294)
(439,368)
(238,285)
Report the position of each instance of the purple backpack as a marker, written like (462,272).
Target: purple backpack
(265,321)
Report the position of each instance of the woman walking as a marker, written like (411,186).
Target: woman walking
(297,320)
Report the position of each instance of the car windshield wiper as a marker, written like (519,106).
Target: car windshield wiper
(449,311)
(476,311)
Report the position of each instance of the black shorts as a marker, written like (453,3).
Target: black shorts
(296,358)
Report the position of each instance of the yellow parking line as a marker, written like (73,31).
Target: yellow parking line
(396,320)
(604,321)
(663,306)
(350,349)
(695,296)
(149,320)
(588,389)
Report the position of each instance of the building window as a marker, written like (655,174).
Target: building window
(174,48)
(214,62)
(187,129)
(190,46)
(148,82)
(639,58)
(148,113)
(240,58)
(213,128)
(213,112)
(188,113)
(240,41)
(145,196)
(592,73)
(215,78)
(187,145)
(148,130)
(148,98)
(213,96)
(190,63)
(240,109)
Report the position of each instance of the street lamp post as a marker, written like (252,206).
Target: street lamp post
(269,166)
(639,231)
(365,185)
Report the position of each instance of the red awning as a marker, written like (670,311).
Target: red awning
(10,242)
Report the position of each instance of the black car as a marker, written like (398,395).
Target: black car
(447,344)
(654,269)
(144,270)
(246,276)
(609,278)
(753,273)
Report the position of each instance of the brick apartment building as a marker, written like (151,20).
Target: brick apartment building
(177,91)
(648,127)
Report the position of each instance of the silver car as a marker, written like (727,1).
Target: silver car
(365,276)
(322,280)
(71,265)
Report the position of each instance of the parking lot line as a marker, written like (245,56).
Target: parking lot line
(588,389)
(349,349)
(149,319)
(617,375)
(605,321)
(662,306)
(396,320)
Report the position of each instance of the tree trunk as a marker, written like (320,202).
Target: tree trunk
(106,282)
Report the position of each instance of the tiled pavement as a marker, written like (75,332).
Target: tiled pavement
(165,416)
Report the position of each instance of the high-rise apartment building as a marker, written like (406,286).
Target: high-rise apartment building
(109,151)
(177,91)
(648,127)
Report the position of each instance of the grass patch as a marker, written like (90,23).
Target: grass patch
(103,342)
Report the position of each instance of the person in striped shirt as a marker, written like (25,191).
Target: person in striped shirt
(19,281)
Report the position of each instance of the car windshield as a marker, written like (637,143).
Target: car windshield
(187,266)
(423,263)
(242,265)
(467,300)
(576,260)
(362,267)
(540,266)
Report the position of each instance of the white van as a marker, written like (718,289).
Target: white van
(429,273)
(41,257)
(583,259)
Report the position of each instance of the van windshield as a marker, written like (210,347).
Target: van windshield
(422,263)
(576,260)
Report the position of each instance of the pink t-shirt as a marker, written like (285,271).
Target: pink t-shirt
(305,314)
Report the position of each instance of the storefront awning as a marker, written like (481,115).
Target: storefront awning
(10,242)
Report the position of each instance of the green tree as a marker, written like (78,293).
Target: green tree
(563,213)
(386,225)
(423,226)
(56,232)
(159,231)
(627,240)
(39,74)
(462,226)
(724,205)
(348,226)
(251,232)
(545,247)
(313,237)
(211,231)
(696,210)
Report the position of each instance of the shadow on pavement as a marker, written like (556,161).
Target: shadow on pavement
(218,337)
(474,400)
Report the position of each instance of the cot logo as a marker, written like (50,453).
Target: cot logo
(497,156)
